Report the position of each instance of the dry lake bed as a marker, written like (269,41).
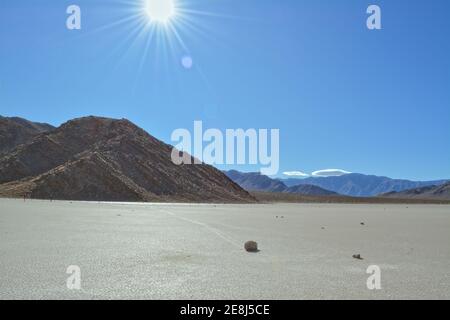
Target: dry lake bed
(174,251)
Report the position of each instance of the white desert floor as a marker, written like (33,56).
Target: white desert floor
(149,251)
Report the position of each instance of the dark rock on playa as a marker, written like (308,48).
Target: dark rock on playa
(251,246)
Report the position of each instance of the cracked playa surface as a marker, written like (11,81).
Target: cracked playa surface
(174,251)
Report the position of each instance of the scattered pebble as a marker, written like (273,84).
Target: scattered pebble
(251,246)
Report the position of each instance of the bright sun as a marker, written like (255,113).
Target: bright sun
(160,10)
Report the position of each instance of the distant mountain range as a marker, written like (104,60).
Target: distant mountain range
(102,159)
(255,181)
(361,185)
(354,185)
(441,192)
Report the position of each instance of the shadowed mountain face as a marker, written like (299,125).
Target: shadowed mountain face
(309,189)
(360,185)
(255,181)
(441,192)
(104,159)
(16,131)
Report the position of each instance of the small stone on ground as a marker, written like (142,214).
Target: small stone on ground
(251,246)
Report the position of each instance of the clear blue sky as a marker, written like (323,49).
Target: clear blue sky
(344,97)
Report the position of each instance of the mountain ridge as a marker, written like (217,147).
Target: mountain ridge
(15,131)
(103,159)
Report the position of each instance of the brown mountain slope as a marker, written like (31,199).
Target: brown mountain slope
(16,131)
(89,176)
(110,160)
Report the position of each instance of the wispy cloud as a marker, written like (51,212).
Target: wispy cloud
(295,174)
(329,173)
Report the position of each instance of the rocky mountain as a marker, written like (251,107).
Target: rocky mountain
(16,131)
(360,185)
(103,159)
(255,181)
(441,192)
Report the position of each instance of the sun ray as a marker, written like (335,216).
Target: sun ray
(196,30)
(186,11)
(132,35)
(146,49)
(177,36)
(116,23)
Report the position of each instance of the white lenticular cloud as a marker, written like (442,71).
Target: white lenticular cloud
(330,173)
(295,174)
